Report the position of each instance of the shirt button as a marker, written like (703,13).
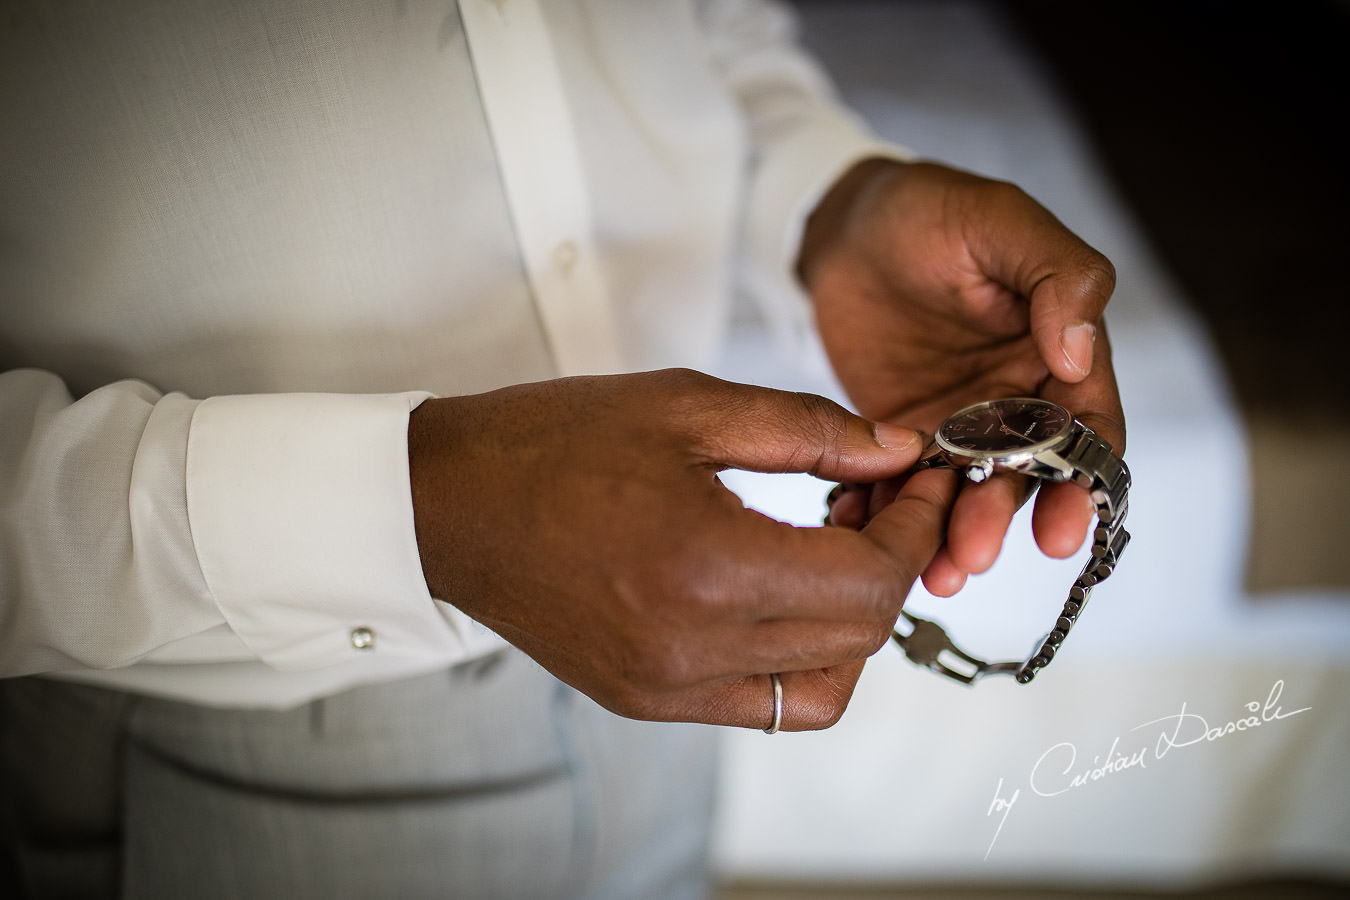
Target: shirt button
(363,638)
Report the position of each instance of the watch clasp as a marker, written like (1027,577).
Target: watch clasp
(927,645)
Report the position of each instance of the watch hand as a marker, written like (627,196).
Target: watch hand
(1002,424)
(1004,427)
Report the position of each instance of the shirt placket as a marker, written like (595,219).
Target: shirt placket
(534,135)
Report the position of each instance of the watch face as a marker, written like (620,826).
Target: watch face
(1004,427)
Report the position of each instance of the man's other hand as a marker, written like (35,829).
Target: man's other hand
(935,288)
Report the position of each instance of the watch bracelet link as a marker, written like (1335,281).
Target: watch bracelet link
(1094,467)
(1097,469)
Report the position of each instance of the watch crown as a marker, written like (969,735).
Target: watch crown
(979,471)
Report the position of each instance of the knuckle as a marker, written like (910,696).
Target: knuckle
(874,592)
(697,407)
(1007,195)
(670,668)
(873,637)
(686,379)
(1098,275)
(818,718)
(629,701)
(830,416)
(831,706)
(691,584)
(686,390)
(825,425)
(654,667)
(833,715)
(864,640)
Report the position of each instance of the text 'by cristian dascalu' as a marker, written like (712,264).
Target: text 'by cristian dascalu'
(1062,769)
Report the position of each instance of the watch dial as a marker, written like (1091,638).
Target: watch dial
(1005,426)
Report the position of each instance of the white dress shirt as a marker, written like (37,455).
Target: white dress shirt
(240,242)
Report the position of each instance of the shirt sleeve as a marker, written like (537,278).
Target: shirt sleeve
(134,523)
(802,139)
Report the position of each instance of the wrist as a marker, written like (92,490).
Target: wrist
(828,222)
(434,439)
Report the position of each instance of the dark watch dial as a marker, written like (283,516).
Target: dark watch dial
(1001,427)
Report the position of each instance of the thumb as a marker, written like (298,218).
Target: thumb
(765,430)
(1066,310)
(1066,282)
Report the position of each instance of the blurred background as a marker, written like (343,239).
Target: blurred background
(1196,144)
(1217,122)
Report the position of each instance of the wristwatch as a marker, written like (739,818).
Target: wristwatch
(1041,439)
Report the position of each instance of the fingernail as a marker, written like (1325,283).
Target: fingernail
(894,437)
(1076,342)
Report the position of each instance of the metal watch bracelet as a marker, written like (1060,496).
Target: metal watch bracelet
(1094,467)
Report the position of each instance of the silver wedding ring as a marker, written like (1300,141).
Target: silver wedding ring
(777,704)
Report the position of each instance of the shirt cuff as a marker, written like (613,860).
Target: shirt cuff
(301,517)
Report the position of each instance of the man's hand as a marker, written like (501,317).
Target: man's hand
(583,520)
(935,289)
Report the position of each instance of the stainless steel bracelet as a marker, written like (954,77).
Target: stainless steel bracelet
(1093,466)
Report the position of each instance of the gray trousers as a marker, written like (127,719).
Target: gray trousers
(489,780)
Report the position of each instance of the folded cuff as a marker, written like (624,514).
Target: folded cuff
(302,521)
